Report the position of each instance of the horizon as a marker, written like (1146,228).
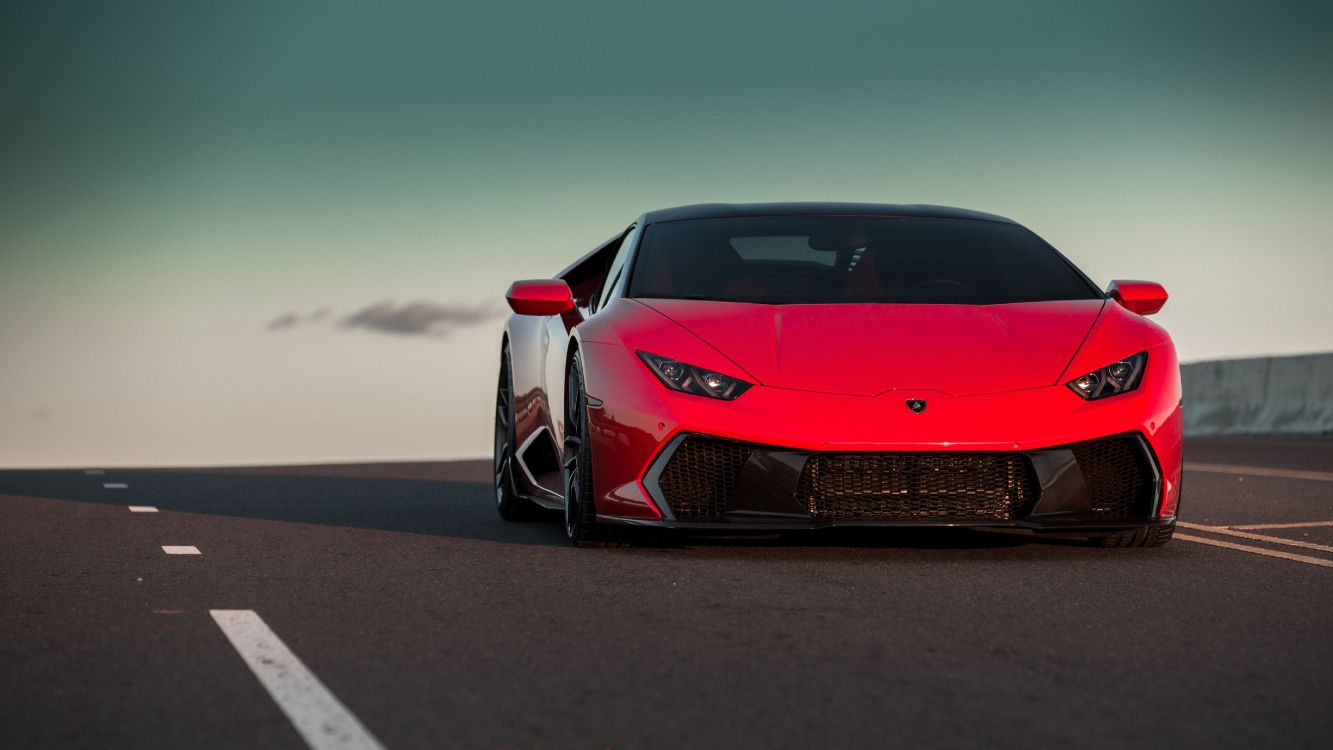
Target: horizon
(251,234)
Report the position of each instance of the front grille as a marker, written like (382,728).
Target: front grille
(1118,475)
(698,480)
(918,486)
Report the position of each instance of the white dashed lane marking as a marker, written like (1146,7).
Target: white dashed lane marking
(116,486)
(142,508)
(181,549)
(316,713)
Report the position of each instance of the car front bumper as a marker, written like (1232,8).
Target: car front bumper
(705,483)
(637,427)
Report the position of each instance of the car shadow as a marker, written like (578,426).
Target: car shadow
(446,499)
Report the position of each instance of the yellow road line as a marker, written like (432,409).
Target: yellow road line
(1261,471)
(1301,525)
(1257,550)
(1257,537)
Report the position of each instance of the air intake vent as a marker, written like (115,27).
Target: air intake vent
(698,480)
(1118,475)
(945,487)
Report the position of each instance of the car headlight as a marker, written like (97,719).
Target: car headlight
(686,378)
(1120,376)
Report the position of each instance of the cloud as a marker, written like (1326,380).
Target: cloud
(286,320)
(292,319)
(422,318)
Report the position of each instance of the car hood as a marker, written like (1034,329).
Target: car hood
(867,349)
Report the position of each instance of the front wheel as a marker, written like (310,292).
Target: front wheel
(510,506)
(1149,536)
(581,525)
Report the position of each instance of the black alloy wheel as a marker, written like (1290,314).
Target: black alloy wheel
(1149,536)
(581,525)
(507,501)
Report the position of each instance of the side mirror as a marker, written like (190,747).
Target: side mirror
(1142,297)
(540,297)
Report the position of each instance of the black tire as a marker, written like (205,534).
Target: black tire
(1149,536)
(581,525)
(508,503)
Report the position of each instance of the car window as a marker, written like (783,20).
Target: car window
(830,259)
(781,249)
(611,288)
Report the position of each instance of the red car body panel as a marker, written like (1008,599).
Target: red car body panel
(638,416)
(866,349)
(836,377)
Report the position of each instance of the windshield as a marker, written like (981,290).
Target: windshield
(829,259)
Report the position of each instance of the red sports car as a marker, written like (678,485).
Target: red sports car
(794,366)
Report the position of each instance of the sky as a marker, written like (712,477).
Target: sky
(268,232)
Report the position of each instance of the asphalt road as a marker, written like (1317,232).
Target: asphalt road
(395,594)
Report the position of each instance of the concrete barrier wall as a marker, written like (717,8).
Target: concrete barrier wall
(1259,396)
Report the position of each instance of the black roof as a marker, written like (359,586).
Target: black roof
(732,210)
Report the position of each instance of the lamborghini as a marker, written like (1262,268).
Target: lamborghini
(780,367)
